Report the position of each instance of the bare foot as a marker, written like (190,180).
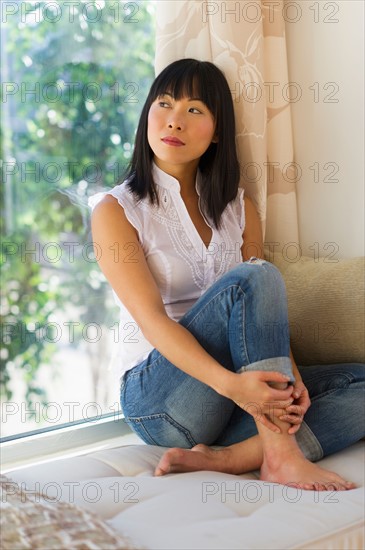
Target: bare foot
(299,472)
(293,470)
(198,458)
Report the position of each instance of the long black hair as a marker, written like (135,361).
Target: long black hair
(219,165)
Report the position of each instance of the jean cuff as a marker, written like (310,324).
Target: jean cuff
(278,364)
(308,443)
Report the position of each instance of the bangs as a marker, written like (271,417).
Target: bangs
(192,81)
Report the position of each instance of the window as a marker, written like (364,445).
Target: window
(74,78)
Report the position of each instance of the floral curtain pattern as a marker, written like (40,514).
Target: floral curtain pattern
(246,40)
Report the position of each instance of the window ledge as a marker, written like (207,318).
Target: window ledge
(64,442)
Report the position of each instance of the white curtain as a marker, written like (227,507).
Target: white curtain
(246,40)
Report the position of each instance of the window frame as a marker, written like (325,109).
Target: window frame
(72,438)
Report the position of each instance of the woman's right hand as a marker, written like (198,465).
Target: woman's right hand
(254,393)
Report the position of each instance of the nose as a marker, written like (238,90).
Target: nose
(176,120)
(175,124)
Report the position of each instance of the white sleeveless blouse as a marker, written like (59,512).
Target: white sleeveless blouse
(181,264)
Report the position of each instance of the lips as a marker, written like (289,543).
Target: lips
(174,141)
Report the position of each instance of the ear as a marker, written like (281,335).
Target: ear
(215,138)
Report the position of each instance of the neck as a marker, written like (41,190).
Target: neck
(184,173)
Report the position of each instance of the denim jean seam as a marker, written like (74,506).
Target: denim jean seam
(242,339)
(310,441)
(164,416)
(148,436)
(243,335)
(324,394)
(135,374)
(350,379)
(122,383)
(211,300)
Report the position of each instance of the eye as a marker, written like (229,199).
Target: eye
(163,104)
(195,110)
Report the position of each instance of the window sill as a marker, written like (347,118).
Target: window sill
(64,442)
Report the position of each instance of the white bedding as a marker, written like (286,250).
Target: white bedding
(205,510)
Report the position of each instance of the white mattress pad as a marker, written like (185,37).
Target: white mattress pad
(205,510)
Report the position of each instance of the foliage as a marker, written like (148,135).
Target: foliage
(73,92)
(26,306)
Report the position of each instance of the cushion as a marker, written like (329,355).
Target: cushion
(326,308)
(30,519)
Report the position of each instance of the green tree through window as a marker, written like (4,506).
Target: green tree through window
(74,79)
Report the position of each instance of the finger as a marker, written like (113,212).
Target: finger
(292,419)
(294,409)
(282,395)
(300,410)
(302,401)
(274,376)
(294,429)
(270,405)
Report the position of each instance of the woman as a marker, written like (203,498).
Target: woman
(206,356)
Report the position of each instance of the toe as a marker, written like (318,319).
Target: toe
(200,447)
(312,486)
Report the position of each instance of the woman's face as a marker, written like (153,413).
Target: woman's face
(179,131)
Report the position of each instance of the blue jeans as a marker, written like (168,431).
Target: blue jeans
(241,320)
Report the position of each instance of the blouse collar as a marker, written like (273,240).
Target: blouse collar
(170,183)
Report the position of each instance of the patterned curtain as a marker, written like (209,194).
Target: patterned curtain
(246,40)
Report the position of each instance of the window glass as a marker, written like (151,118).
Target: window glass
(74,78)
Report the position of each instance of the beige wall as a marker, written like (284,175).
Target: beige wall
(328,136)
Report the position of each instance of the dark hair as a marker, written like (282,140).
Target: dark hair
(219,165)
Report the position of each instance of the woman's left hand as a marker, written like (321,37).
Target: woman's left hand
(295,412)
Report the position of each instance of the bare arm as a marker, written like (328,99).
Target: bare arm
(252,236)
